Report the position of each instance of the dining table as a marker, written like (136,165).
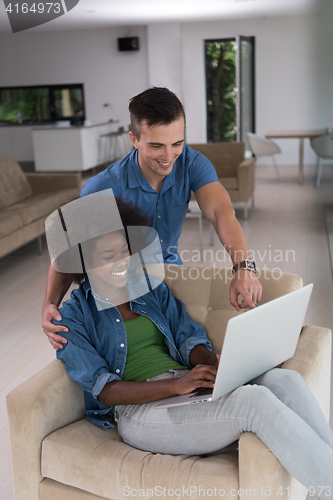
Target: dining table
(296,134)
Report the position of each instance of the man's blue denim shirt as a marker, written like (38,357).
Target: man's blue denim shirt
(97,345)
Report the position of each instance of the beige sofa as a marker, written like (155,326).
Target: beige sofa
(58,455)
(235,173)
(26,200)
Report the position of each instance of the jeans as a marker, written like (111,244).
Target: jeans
(278,407)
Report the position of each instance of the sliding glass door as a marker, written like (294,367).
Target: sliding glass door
(230,88)
(246,90)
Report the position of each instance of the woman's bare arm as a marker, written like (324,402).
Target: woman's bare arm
(129,393)
(202,375)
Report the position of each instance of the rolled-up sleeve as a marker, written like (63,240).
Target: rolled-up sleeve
(84,365)
(101,382)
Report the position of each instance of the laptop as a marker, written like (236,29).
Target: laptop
(255,342)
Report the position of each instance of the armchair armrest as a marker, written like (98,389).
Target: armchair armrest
(312,360)
(246,178)
(247,163)
(44,183)
(44,403)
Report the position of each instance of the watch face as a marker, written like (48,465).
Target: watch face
(250,264)
(246,265)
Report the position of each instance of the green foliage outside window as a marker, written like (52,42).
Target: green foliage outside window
(24,105)
(42,104)
(221,93)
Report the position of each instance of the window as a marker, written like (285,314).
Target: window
(221,90)
(230,89)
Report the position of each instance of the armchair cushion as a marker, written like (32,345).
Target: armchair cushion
(236,174)
(209,302)
(225,156)
(94,463)
(229,183)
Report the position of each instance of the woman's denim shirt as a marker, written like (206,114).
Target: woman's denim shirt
(97,344)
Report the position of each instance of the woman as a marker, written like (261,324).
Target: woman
(128,356)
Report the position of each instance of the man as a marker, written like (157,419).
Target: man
(159,176)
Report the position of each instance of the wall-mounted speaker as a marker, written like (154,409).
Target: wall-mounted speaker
(128,43)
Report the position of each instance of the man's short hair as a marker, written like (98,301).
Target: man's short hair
(154,106)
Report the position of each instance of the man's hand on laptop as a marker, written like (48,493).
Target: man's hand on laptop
(246,284)
(50,329)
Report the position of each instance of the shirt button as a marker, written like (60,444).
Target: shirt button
(162,241)
(118,320)
(158,216)
(117,370)
(122,345)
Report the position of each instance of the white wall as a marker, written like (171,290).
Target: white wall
(164,44)
(90,57)
(294,72)
(294,75)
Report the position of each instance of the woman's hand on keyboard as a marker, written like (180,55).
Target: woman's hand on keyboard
(199,376)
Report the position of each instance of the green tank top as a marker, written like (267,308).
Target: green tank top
(147,354)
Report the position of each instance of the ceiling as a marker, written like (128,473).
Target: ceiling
(91,14)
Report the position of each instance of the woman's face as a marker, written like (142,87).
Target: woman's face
(110,263)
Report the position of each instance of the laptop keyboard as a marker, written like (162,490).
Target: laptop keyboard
(201,391)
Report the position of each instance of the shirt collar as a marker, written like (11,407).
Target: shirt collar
(136,179)
(88,291)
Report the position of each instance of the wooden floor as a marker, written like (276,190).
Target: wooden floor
(286,231)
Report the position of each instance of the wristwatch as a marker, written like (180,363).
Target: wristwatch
(246,265)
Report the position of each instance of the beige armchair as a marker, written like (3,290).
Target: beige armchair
(235,174)
(58,455)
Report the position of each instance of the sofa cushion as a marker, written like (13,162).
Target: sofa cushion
(37,206)
(9,223)
(97,460)
(14,186)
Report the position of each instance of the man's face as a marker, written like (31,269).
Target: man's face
(158,149)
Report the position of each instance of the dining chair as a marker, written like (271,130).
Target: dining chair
(264,147)
(323,146)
